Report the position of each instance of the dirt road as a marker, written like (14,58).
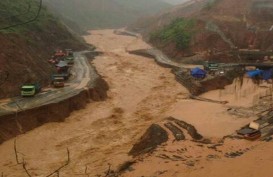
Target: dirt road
(84,76)
(141,93)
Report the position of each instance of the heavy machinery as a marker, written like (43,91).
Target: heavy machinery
(30,89)
(69,60)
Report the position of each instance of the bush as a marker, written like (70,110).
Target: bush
(180,32)
(18,11)
(210,4)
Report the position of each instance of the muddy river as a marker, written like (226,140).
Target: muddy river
(141,93)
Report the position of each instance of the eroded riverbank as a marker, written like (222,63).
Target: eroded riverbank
(141,93)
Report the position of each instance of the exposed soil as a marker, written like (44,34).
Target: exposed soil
(24,56)
(19,123)
(223,24)
(141,94)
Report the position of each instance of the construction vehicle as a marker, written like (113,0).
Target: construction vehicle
(211,66)
(64,75)
(69,60)
(58,80)
(69,56)
(30,89)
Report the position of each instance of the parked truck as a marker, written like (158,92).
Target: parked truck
(30,89)
(57,80)
(69,56)
(211,66)
(69,60)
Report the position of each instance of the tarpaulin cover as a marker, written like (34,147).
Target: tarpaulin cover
(198,73)
(62,64)
(267,74)
(254,73)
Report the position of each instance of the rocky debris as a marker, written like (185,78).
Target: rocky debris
(154,136)
(190,128)
(177,133)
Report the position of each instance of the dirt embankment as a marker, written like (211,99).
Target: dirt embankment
(105,131)
(224,25)
(195,87)
(24,55)
(26,120)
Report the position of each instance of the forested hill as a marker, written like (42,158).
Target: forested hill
(94,14)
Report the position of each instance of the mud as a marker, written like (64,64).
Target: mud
(105,132)
(26,120)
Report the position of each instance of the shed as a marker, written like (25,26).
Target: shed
(267,74)
(254,73)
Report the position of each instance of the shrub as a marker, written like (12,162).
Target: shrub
(180,32)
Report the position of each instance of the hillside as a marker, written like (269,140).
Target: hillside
(25,49)
(94,14)
(210,29)
(175,1)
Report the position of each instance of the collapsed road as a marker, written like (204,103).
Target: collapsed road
(19,115)
(84,77)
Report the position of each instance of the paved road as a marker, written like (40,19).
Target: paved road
(83,77)
(161,58)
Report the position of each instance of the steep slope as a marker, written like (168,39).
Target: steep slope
(175,1)
(25,49)
(93,14)
(218,26)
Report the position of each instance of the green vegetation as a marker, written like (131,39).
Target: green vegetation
(210,4)
(180,32)
(18,11)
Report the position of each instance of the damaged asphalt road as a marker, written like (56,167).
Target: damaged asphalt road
(84,75)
